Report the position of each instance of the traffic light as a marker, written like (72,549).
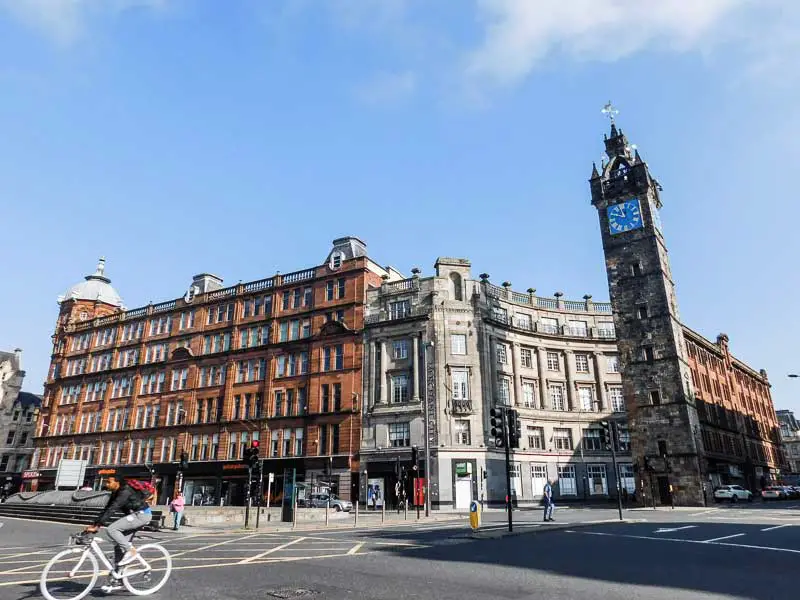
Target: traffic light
(498,430)
(514,428)
(251,455)
(184,464)
(414,457)
(606,434)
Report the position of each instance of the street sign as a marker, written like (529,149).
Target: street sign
(271,477)
(70,473)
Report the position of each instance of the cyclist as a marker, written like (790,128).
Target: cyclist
(130,498)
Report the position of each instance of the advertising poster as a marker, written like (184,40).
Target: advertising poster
(375,492)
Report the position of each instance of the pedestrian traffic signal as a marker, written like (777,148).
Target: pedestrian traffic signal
(184,464)
(514,428)
(498,427)
(606,434)
(414,458)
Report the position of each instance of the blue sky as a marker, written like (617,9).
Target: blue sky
(241,137)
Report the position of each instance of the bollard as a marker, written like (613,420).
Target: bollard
(405,510)
(327,510)
(355,523)
(294,510)
(383,512)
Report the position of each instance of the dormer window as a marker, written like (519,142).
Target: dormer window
(336,260)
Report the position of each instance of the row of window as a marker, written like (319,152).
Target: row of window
(576,327)
(556,394)
(582,360)
(302,297)
(287,365)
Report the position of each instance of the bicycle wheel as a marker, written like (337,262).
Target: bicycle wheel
(70,575)
(149,571)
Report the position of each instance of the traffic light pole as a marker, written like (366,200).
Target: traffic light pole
(507,444)
(260,493)
(247,497)
(614,440)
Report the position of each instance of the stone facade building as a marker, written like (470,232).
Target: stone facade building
(474,345)
(17,419)
(671,430)
(276,360)
(790,436)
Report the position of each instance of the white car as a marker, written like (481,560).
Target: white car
(733,493)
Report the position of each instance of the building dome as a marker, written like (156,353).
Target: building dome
(96,287)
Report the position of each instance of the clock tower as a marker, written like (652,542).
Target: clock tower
(657,387)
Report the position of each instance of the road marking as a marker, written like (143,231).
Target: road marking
(683,541)
(355,548)
(270,551)
(705,512)
(212,545)
(778,527)
(725,537)
(671,529)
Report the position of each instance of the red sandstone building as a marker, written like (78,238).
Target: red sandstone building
(741,436)
(276,360)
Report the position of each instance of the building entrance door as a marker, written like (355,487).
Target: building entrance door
(463,492)
(663,491)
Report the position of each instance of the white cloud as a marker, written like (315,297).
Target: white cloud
(388,88)
(65,21)
(521,34)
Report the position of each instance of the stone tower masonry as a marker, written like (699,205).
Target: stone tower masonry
(665,431)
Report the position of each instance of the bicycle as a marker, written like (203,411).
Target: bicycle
(69,567)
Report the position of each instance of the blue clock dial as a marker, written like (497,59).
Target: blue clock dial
(625,216)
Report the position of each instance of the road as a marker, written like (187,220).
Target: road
(727,552)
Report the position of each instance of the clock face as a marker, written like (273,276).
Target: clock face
(624,216)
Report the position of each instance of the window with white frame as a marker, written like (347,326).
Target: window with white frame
(605,329)
(155,353)
(627,478)
(462,430)
(548,325)
(105,337)
(515,473)
(504,391)
(553,361)
(400,349)
(578,328)
(298,441)
(538,478)
(179,379)
(500,314)
(128,358)
(399,435)
(460,383)
(399,309)
(132,331)
(502,354)
(567,486)
(526,357)
(615,398)
(592,439)
(523,321)
(400,388)
(458,344)
(612,364)
(529,394)
(562,438)
(582,363)
(160,325)
(557,400)
(586,397)
(598,484)
(535,438)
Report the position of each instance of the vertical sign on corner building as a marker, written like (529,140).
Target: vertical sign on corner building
(432,432)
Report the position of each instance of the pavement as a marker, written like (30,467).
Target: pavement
(743,551)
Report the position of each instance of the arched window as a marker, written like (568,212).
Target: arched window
(455,286)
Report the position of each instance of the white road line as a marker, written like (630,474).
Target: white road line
(671,529)
(270,551)
(705,512)
(682,541)
(778,527)
(212,545)
(725,537)
(355,548)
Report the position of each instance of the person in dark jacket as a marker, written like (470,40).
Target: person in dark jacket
(137,513)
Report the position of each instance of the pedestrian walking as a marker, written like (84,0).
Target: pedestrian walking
(176,508)
(548,501)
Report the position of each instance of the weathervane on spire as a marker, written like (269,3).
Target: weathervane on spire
(610,111)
